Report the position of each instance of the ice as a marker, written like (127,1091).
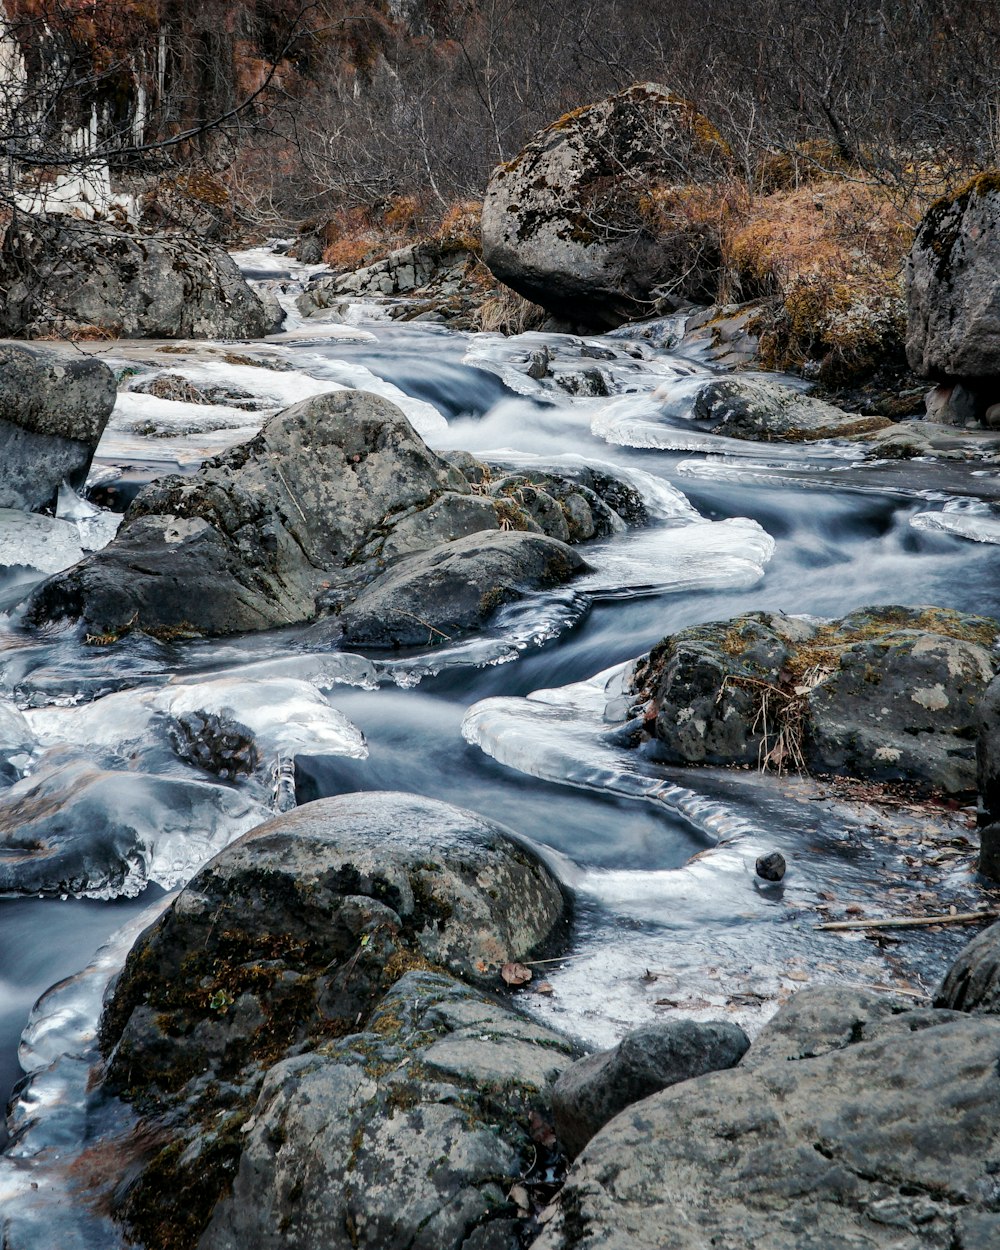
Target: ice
(95,526)
(977,523)
(44,543)
(284,716)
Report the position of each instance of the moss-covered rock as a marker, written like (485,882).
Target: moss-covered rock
(888,693)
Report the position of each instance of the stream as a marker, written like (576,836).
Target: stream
(512,723)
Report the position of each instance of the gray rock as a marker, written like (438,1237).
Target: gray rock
(987,721)
(953,275)
(563,222)
(426,267)
(456,588)
(953,404)
(409,1134)
(247,541)
(893,1142)
(989,851)
(972,983)
(64,277)
(53,410)
(646,1060)
(886,693)
(765,412)
(297,925)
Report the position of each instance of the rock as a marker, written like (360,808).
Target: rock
(456,588)
(195,203)
(972,983)
(989,851)
(886,693)
(987,722)
(306,970)
(890,1142)
(953,276)
(723,334)
(951,405)
(648,1059)
(426,269)
(53,410)
(423,880)
(246,542)
(567,223)
(410,1133)
(767,412)
(70,278)
(771,867)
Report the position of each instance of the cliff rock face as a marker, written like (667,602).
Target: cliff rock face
(570,222)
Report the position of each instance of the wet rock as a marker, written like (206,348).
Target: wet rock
(989,851)
(972,983)
(762,411)
(951,405)
(953,277)
(410,1133)
(65,279)
(247,541)
(771,867)
(456,588)
(275,980)
(428,270)
(564,222)
(53,410)
(216,744)
(987,722)
(886,693)
(648,1059)
(883,1142)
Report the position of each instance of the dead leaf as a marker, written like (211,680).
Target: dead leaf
(515,974)
(519,1196)
(544,987)
(541,1131)
(797,976)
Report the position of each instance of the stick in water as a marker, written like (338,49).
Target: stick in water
(911,922)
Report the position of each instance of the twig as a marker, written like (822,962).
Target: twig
(420,620)
(911,922)
(277,470)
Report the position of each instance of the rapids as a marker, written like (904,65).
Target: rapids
(516,723)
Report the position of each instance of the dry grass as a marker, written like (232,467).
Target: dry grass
(503,311)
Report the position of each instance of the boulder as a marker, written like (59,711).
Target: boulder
(570,222)
(319,906)
(767,412)
(62,277)
(987,721)
(408,1134)
(53,410)
(953,276)
(246,542)
(887,693)
(456,588)
(892,1141)
(293,1028)
(972,983)
(646,1060)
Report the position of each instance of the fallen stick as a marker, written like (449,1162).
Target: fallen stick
(911,922)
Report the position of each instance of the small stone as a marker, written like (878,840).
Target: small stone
(771,867)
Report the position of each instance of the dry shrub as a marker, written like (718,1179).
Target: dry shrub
(458,229)
(691,223)
(828,260)
(503,311)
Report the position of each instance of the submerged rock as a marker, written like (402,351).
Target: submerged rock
(846,1141)
(70,277)
(887,693)
(53,410)
(570,222)
(646,1060)
(263,1024)
(766,412)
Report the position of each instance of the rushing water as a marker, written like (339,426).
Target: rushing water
(511,723)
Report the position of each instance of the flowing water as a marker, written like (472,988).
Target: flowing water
(516,723)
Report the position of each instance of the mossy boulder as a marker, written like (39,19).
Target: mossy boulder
(888,693)
(573,221)
(954,288)
(321,951)
(768,412)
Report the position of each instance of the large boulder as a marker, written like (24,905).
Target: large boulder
(972,983)
(293,1021)
(247,541)
(877,1137)
(69,277)
(53,410)
(954,289)
(571,221)
(646,1060)
(887,693)
(768,412)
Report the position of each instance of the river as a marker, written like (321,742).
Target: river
(669,915)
